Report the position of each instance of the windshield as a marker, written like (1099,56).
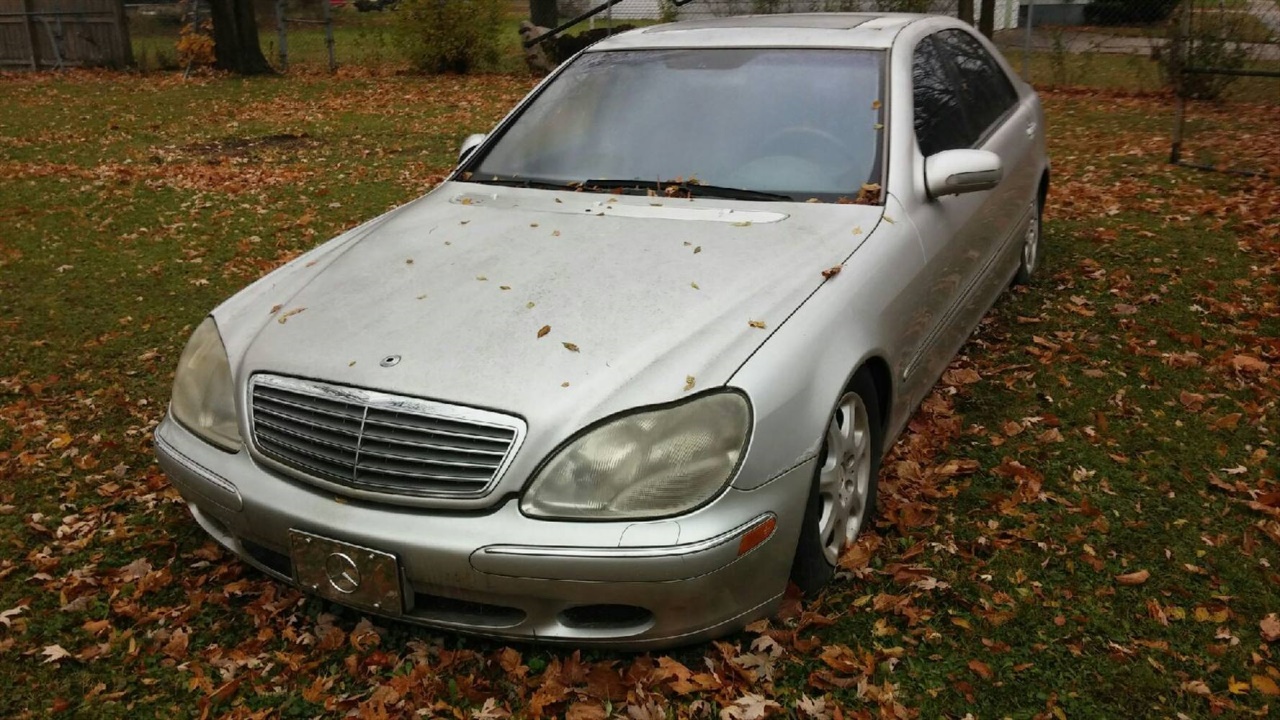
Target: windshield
(787,124)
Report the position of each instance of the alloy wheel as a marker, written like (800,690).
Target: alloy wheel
(844,480)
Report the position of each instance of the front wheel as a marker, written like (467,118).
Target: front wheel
(842,497)
(1030,245)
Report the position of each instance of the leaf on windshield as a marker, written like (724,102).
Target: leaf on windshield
(570,347)
(504,287)
(542,332)
(697,250)
(694,285)
(875,105)
(408,261)
(530,306)
(555,233)
(275,309)
(757,324)
(857,230)
(832,271)
(482,278)
(688,382)
(563,384)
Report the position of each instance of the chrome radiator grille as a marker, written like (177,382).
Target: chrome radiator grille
(379,442)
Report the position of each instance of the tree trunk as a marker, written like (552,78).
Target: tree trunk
(544,13)
(987,17)
(964,11)
(235,38)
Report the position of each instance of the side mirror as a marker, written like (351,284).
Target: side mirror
(471,143)
(953,172)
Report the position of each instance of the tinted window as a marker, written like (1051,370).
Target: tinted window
(984,90)
(939,119)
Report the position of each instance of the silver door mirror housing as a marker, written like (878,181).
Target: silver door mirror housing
(952,172)
(471,143)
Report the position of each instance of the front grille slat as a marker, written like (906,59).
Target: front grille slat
(378,442)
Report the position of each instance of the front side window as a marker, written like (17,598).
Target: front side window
(797,123)
(939,118)
(984,89)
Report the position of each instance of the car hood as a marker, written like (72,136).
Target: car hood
(558,307)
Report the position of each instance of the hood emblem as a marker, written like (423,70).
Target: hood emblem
(390,361)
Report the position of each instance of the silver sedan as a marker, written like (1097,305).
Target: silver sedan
(632,368)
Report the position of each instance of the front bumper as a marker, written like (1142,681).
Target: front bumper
(633,585)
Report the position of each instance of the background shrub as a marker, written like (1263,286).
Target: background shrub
(456,36)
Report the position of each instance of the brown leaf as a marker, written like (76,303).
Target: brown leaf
(757,324)
(688,382)
(1248,363)
(832,271)
(1270,627)
(982,669)
(1134,578)
(176,648)
(570,347)
(1265,685)
(285,317)
(542,332)
(586,711)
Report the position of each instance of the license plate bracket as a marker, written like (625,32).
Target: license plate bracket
(347,573)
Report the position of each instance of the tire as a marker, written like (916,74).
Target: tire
(1031,245)
(846,480)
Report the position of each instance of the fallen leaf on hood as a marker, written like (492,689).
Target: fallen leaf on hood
(504,287)
(285,317)
(857,230)
(564,384)
(697,250)
(482,278)
(694,285)
(533,224)
(832,271)
(570,347)
(542,332)
(742,223)
(875,104)
(530,306)
(422,297)
(275,309)
(408,261)
(1134,578)
(688,382)
(555,233)
(757,324)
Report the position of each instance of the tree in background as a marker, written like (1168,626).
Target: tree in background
(235,38)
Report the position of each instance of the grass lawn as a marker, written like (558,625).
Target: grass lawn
(1083,521)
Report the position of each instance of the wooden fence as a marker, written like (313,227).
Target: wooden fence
(41,34)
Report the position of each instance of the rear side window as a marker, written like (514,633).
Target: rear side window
(984,89)
(939,119)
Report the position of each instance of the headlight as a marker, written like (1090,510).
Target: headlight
(653,463)
(203,396)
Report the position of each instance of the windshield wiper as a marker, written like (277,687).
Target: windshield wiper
(513,181)
(686,189)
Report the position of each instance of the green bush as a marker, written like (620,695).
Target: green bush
(454,36)
(1217,45)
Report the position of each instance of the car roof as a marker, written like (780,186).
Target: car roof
(827,30)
